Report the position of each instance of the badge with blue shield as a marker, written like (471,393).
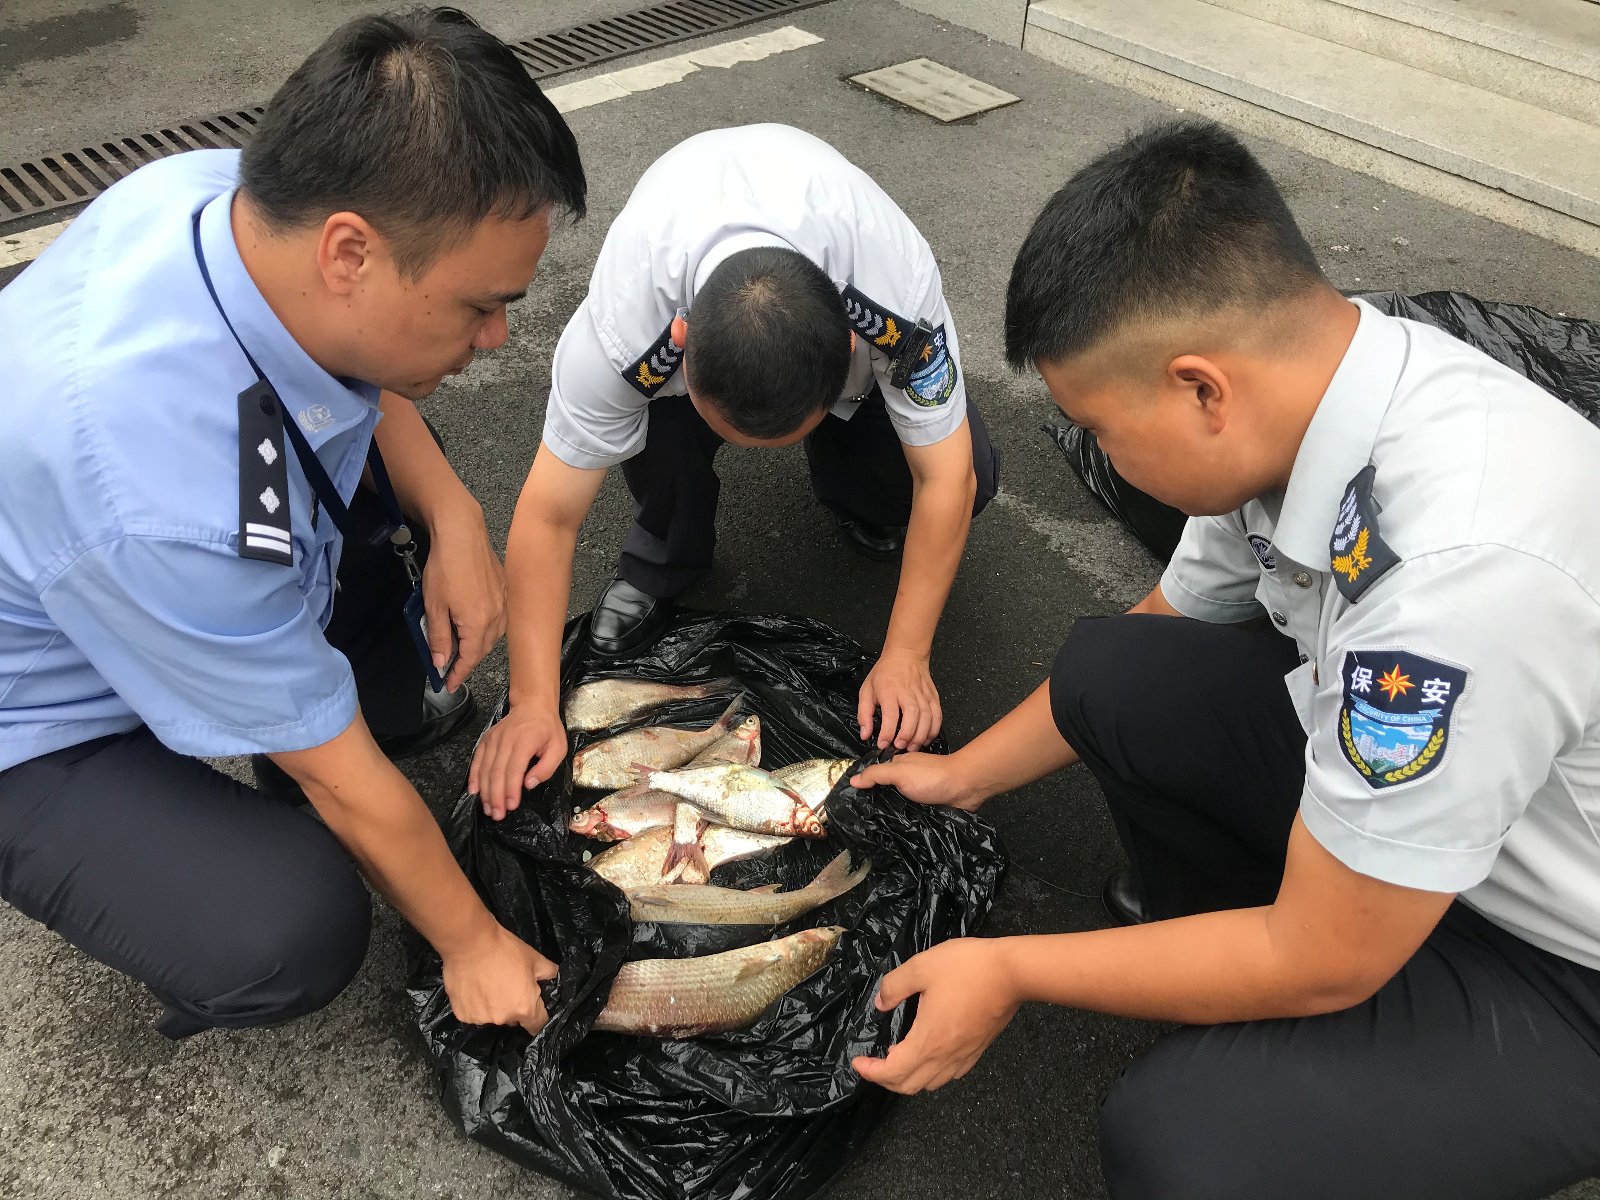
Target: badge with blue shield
(1394,722)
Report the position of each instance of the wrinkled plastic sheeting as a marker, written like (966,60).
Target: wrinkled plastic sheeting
(1560,354)
(771,1111)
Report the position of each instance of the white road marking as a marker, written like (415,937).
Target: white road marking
(25,247)
(21,248)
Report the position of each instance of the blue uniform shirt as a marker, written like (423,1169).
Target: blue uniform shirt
(123,599)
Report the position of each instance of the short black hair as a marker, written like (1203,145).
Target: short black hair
(1179,220)
(771,342)
(421,122)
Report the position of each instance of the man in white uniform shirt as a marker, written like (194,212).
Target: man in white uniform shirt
(1350,743)
(757,289)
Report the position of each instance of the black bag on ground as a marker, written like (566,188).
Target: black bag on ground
(1560,354)
(771,1111)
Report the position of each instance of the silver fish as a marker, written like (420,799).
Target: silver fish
(641,861)
(706,905)
(687,997)
(624,814)
(813,778)
(740,797)
(633,810)
(611,763)
(608,702)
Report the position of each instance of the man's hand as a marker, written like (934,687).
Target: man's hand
(925,778)
(523,750)
(498,983)
(902,688)
(967,999)
(464,589)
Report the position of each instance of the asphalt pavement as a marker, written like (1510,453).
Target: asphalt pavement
(94,1104)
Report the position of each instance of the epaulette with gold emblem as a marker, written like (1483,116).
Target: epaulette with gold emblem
(885,331)
(651,370)
(1357,553)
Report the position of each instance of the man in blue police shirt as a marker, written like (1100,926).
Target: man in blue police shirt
(191,564)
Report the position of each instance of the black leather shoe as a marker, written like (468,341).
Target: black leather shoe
(626,619)
(1122,900)
(880,542)
(444,714)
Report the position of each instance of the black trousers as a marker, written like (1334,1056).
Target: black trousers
(1473,1075)
(858,469)
(235,909)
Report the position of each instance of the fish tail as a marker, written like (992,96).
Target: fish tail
(688,858)
(836,878)
(725,721)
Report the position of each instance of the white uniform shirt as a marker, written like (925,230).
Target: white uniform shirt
(708,197)
(1447,608)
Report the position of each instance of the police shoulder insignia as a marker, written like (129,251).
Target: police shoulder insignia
(883,330)
(656,365)
(1357,552)
(933,375)
(1394,722)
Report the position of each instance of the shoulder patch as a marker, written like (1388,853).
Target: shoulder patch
(656,365)
(1394,722)
(1263,551)
(1358,555)
(933,373)
(883,330)
(263,478)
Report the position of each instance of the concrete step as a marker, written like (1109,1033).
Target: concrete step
(1553,161)
(1546,52)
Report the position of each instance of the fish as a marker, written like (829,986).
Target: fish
(634,810)
(738,796)
(813,778)
(741,744)
(607,702)
(625,814)
(641,861)
(680,904)
(689,997)
(611,763)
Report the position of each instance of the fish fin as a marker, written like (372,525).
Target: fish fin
(686,853)
(766,889)
(757,965)
(641,775)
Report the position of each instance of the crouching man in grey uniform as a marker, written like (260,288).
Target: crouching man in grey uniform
(1351,742)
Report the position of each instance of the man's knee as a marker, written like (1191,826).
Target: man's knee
(282,953)
(1151,1147)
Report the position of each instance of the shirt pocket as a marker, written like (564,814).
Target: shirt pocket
(1302,685)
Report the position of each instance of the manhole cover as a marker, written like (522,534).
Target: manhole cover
(935,89)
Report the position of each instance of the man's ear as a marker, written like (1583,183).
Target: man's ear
(345,252)
(1207,387)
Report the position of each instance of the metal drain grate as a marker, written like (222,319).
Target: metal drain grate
(54,181)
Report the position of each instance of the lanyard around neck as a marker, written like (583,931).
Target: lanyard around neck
(316,474)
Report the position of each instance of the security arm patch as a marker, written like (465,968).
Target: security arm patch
(656,365)
(1394,722)
(933,377)
(1357,551)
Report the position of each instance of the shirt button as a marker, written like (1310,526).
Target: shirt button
(1301,579)
(1279,619)
(1304,659)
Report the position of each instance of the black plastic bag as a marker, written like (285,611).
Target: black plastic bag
(1560,354)
(772,1111)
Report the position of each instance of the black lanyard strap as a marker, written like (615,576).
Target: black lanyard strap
(316,474)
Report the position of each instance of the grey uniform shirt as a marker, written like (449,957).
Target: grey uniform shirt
(717,193)
(1436,557)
